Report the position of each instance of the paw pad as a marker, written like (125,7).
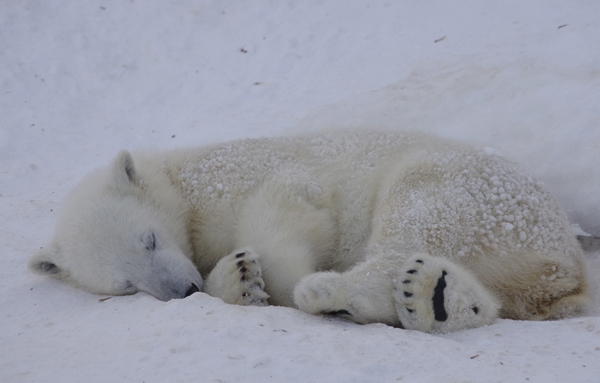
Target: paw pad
(237,279)
(436,295)
(437,300)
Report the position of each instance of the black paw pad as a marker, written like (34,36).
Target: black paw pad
(438,299)
(338,312)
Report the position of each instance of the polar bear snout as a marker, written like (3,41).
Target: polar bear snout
(193,289)
(169,276)
(174,292)
(168,289)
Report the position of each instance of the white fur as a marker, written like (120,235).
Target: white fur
(327,224)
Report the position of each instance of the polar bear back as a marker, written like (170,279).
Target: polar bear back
(432,195)
(455,202)
(228,171)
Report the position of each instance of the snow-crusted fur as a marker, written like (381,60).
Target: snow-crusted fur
(399,228)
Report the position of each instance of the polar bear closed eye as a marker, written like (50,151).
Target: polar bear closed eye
(375,226)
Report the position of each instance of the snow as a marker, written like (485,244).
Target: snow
(81,80)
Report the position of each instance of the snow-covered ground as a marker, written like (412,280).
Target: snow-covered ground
(80,80)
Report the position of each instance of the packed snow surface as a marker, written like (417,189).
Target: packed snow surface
(80,80)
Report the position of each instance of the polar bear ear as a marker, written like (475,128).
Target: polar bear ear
(43,262)
(124,170)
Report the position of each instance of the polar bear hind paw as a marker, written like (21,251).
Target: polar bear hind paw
(237,279)
(435,295)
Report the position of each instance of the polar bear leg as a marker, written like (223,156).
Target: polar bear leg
(237,279)
(363,294)
(292,235)
(535,286)
(424,293)
(435,295)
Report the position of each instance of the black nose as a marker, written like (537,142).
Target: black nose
(193,289)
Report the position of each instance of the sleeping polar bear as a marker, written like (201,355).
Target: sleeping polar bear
(374,226)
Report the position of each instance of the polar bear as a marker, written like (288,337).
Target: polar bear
(375,226)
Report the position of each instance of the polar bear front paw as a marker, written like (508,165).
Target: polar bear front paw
(435,295)
(321,293)
(237,279)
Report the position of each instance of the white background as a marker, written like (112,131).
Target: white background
(80,80)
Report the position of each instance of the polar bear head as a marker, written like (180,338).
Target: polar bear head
(123,230)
